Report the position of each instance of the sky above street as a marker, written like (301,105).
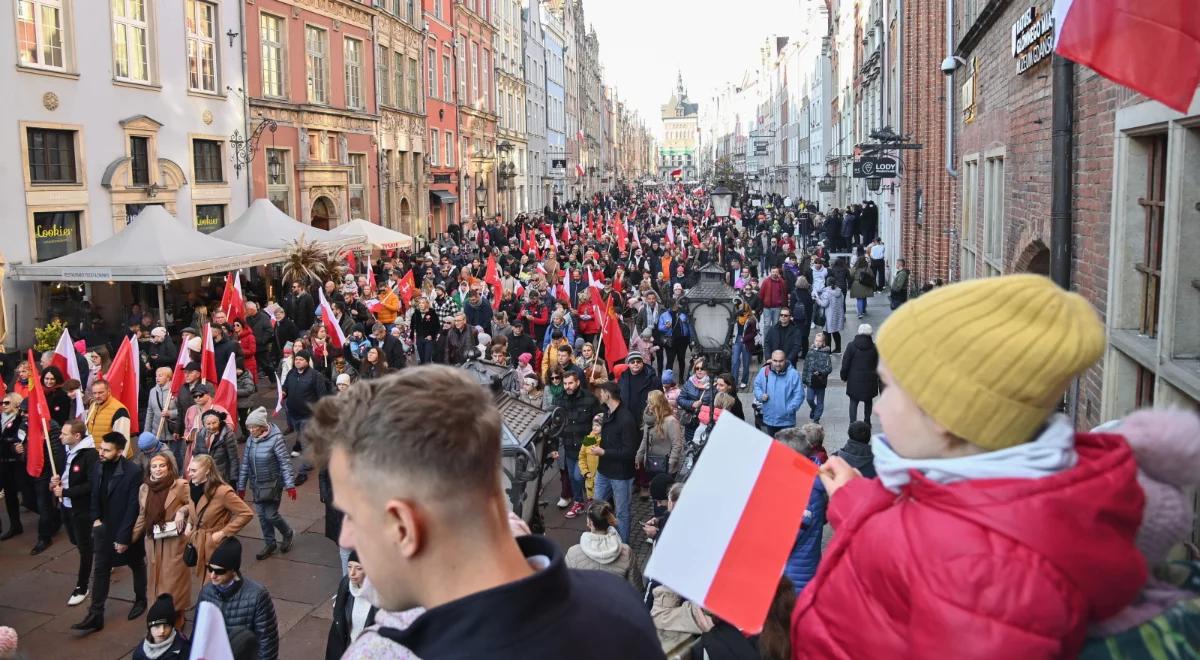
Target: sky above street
(643,43)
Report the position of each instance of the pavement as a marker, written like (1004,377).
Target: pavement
(34,589)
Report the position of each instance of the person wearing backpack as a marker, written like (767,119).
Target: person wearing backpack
(862,285)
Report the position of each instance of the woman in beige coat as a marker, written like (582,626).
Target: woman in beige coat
(162,502)
(215,512)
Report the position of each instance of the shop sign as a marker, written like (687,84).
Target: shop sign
(209,218)
(55,234)
(884,167)
(1032,37)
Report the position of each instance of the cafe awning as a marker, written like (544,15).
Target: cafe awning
(154,248)
(263,225)
(442,197)
(379,237)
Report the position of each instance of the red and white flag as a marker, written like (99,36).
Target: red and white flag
(64,359)
(671,233)
(231,298)
(746,497)
(1150,47)
(226,394)
(677,173)
(579,170)
(336,336)
(278,395)
(123,377)
(593,282)
(181,362)
(735,214)
(208,357)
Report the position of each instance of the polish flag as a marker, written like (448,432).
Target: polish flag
(278,395)
(566,233)
(64,359)
(373,288)
(671,233)
(231,298)
(1150,47)
(208,357)
(735,214)
(636,241)
(579,170)
(593,282)
(331,325)
(181,361)
(746,497)
(226,394)
(492,277)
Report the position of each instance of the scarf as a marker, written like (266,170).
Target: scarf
(153,650)
(156,500)
(1051,452)
(602,548)
(196,491)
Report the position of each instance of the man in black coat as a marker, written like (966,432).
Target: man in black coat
(578,406)
(115,483)
(285,331)
(259,323)
(620,437)
(520,342)
(785,336)
(300,307)
(341,629)
(224,347)
(49,519)
(392,348)
(73,487)
(858,371)
(637,383)
(302,387)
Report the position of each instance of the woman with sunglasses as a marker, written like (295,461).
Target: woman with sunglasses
(12,461)
(215,512)
(162,512)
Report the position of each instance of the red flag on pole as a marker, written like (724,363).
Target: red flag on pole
(231,299)
(226,394)
(123,383)
(405,286)
(351,261)
(336,336)
(39,420)
(615,348)
(492,277)
(208,357)
(181,361)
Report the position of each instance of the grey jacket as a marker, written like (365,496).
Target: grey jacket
(223,450)
(265,460)
(160,396)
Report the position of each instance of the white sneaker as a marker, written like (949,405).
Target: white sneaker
(77,597)
(563,503)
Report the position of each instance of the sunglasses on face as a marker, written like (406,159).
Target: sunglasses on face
(216,570)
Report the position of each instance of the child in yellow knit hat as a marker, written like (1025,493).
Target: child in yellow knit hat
(589,462)
(992,522)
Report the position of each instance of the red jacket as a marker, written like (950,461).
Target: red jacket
(999,568)
(773,292)
(590,326)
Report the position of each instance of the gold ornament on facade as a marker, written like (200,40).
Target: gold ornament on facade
(50,101)
(207,117)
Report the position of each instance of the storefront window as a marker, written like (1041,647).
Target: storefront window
(56,234)
(209,218)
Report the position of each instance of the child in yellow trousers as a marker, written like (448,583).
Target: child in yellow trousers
(589,462)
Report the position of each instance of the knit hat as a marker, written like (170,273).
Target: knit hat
(634,355)
(668,377)
(353,557)
(80,346)
(8,641)
(192,366)
(989,359)
(228,555)
(162,611)
(195,344)
(303,354)
(258,417)
(147,442)
(659,485)
(343,378)
(524,358)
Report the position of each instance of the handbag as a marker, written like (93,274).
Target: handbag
(190,556)
(167,530)
(819,316)
(271,491)
(656,464)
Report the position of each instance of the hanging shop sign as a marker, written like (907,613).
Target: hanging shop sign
(884,167)
(1032,38)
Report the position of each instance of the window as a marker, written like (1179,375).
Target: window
(314,146)
(202,45)
(409,11)
(358,175)
(1153,205)
(401,158)
(40,33)
(333,151)
(434,147)
(139,166)
(447,87)
(209,217)
(437,8)
(449,149)
(131,40)
(485,91)
(462,69)
(993,214)
(413,104)
(271,32)
(51,155)
(278,179)
(432,82)
(206,159)
(398,77)
(316,49)
(55,234)
(474,64)
(353,64)
(382,74)
(970,248)
(385,167)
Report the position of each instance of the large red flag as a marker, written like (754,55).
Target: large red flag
(405,286)
(231,298)
(123,383)
(39,421)
(615,348)
(336,336)
(208,357)
(1149,47)
(492,277)
(622,238)
(226,394)
(351,261)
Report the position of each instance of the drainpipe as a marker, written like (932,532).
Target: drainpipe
(950,92)
(1062,122)
(245,107)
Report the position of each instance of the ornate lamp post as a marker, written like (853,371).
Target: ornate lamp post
(711,304)
(481,197)
(722,200)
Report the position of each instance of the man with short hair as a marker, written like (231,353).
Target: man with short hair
(420,486)
(898,290)
(392,348)
(774,294)
(74,487)
(245,604)
(458,341)
(300,307)
(115,484)
(781,393)
(106,414)
(302,387)
(578,406)
(785,336)
(620,437)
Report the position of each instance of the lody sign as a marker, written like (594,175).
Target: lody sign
(1032,37)
(884,167)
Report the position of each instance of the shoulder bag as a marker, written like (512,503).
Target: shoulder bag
(655,464)
(190,556)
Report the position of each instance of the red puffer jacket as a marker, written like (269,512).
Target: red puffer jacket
(1000,568)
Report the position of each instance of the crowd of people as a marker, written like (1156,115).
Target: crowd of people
(585,303)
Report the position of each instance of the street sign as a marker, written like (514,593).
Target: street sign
(884,167)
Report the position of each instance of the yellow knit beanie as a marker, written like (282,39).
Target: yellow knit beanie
(989,359)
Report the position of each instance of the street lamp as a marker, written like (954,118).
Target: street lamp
(722,200)
(274,167)
(713,309)
(481,198)
(873,183)
(826,184)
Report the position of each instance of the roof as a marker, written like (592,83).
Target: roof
(264,225)
(377,236)
(154,247)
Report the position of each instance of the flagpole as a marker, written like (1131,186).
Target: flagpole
(49,450)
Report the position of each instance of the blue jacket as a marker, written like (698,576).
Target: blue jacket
(265,460)
(806,553)
(568,333)
(785,395)
(665,320)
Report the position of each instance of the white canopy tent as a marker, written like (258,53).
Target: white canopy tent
(155,248)
(263,225)
(379,238)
